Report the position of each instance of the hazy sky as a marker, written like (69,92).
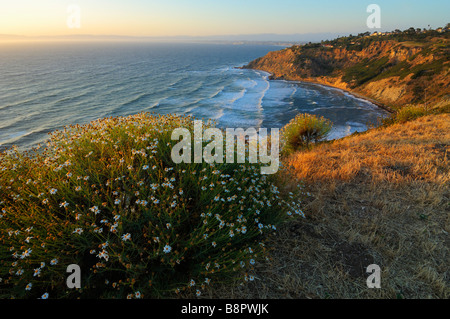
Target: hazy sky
(214,17)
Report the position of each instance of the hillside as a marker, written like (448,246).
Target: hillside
(379,197)
(396,69)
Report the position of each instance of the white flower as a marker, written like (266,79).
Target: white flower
(78,231)
(144,202)
(45,296)
(113,228)
(53,191)
(54,261)
(103,254)
(26,253)
(167,249)
(37,272)
(117,201)
(94,210)
(126,237)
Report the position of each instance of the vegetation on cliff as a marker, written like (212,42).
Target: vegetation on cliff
(395,69)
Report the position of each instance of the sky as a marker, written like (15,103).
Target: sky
(164,18)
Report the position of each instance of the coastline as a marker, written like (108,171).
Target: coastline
(354,94)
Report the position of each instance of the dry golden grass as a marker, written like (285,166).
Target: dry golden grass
(379,197)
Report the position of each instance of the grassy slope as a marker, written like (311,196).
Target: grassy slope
(379,197)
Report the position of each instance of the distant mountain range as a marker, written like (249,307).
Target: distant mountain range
(239,38)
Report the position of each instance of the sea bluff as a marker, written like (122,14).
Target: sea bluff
(388,72)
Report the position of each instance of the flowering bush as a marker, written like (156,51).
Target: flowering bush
(303,130)
(107,197)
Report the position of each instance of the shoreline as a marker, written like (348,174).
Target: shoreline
(354,94)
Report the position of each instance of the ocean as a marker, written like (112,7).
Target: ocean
(46,86)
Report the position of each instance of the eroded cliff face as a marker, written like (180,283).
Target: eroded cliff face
(393,73)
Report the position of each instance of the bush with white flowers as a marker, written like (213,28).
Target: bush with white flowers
(107,197)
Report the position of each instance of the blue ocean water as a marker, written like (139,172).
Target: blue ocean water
(46,86)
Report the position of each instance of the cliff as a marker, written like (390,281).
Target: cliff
(395,70)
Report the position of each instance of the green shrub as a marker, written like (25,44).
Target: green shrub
(107,196)
(444,109)
(409,113)
(365,70)
(303,130)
